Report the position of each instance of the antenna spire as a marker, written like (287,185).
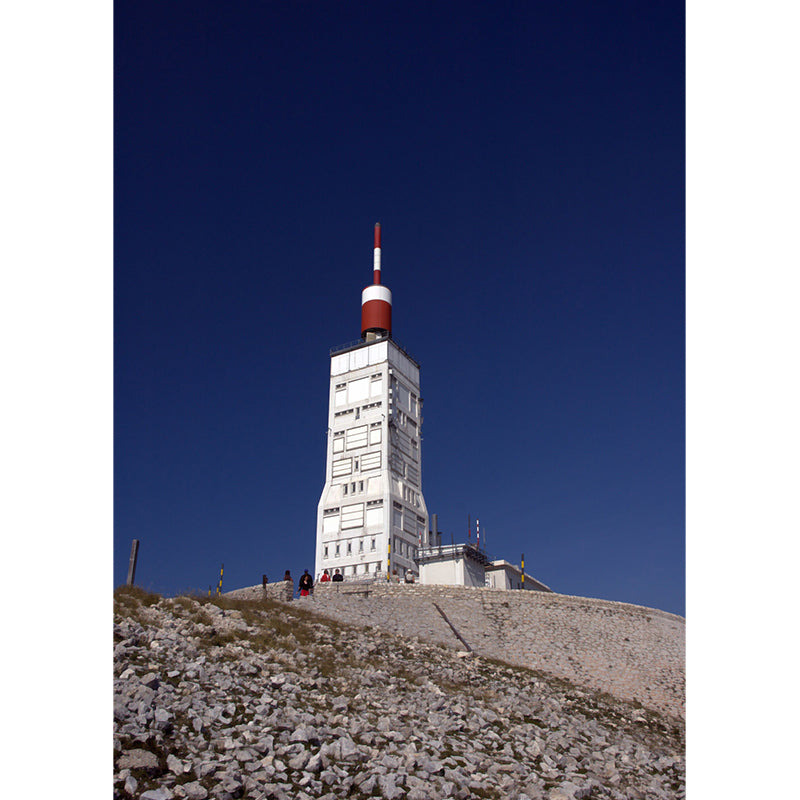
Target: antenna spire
(376,258)
(376,299)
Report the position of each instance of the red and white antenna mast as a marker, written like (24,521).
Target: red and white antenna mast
(376,256)
(376,300)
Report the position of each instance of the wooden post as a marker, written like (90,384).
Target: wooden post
(132,562)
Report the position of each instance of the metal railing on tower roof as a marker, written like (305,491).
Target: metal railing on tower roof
(451,550)
(354,345)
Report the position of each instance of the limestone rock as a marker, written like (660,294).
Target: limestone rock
(138,759)
(195,791)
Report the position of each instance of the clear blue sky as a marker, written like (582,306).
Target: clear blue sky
(526,162)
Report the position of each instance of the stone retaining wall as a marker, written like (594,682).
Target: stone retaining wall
(281,590)
(632,652)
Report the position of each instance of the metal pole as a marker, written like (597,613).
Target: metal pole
(523,570)
(132,562)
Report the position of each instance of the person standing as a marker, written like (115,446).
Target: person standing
(337,576)
(290,588)
(305,584)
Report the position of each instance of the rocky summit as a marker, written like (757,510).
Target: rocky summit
(226,698)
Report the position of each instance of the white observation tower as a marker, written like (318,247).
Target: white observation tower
(371,517)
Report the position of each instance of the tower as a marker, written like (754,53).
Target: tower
(372,516)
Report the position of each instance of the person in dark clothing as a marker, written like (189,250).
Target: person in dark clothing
(305,584)
(337,576)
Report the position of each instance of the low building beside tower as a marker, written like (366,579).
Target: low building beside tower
(453,565)
(501,574)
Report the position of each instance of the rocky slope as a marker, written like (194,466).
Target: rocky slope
(264,699)
(634,653)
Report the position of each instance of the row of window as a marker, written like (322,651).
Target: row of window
(370,514)
(364,463)
(404,549)
(411,497)
(360,436)
(348,547)
(359,569)
(358,390)
(356,412)
(401,548)
(404,398)
(401,418)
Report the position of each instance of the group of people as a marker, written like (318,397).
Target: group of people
(305,585)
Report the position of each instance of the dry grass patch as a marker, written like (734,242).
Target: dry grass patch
(130,600)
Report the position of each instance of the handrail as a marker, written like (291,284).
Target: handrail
(361,343)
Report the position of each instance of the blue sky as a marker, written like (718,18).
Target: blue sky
(526,162)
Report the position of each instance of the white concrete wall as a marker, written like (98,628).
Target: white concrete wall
(474,574)
(454,571)
(442,573)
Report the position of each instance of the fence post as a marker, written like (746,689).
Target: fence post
(132,562)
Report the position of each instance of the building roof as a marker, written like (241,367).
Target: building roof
(443,552)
